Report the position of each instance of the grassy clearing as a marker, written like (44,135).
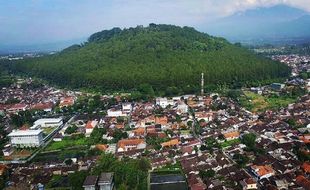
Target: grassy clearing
(258,103)
(230,143)
(67,143)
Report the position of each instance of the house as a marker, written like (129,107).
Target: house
(139,132)
(90,125)
(163,120)
(277,86)
(17,108)
(130,144)
(182,108)
(115,113)
(106,181)
(3,169)
(170,143)
(126,107)
(66,102)
(303,182)
(164,102)
(26,138)
(306,167)
(168,181)
(261,172)
(8,150)
(102,147)
(90,183)
(248,183)
(206,116)
(231,135)
(47,107)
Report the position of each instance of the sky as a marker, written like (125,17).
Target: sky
(24,22)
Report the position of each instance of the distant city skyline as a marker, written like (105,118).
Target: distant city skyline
(48,21)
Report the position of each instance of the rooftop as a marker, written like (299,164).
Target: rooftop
(25,132)
(105,178)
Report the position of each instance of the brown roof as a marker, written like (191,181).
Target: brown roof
(170,143)
(125,142)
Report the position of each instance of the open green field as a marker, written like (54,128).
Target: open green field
(67,143)
(230,143)
(258,103)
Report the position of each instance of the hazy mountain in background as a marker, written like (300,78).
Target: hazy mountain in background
(45,47)
(277,24)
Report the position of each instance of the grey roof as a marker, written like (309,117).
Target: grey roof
(90,180)
(169,178)
(105,178)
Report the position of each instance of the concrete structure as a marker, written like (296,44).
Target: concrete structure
(116,113)
(164,102)
(277,86)
(130,144)
(26,138)
(47,122)
(126,107)
(106,181)
(90,183)
(248,183)
(90,126)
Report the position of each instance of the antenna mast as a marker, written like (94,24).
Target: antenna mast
(202,84)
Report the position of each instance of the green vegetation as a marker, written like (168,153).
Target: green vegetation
(162,59)
(241,160)
(128,173)
(71,129)
(249,140)
(258,103)
(5,79)
(68,142)
(230,143)
(23,117)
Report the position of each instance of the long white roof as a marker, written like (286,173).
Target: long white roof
(24,132)
(48,120)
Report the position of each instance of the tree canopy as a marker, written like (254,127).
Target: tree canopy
(161,58)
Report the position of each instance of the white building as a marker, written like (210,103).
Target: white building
(47,122)
(26,138)
(182,108)
(164,102)
(126,107)
(90,126)
(116,113)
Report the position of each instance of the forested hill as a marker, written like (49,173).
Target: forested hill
(167,58)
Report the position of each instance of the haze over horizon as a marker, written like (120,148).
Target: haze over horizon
(29,22)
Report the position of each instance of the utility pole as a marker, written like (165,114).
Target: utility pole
(202,84)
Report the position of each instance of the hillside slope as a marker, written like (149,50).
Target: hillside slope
(169,58)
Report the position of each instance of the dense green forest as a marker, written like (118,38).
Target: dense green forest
(161,58)
(5,79)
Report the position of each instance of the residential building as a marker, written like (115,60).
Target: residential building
(106,181)
(232,135)
(126,107)
(90,183)
(277,86)
(90,125)
(115,113)
(248,183)
(261,172)
(130,144)
(164,102)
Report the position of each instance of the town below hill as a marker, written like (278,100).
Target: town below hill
(256,136)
